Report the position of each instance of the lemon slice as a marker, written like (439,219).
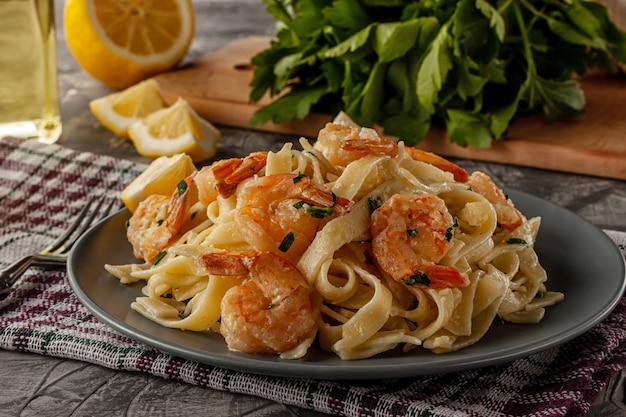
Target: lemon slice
(176,129)
(119,110)
(121,42)
(160,177)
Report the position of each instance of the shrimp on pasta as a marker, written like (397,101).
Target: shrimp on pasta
(410,234)
(157,220)
(270,311)
(344,144)
(281,213)
(509,217)
(355,244)
(222,177)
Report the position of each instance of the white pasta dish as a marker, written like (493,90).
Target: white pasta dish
(356,244)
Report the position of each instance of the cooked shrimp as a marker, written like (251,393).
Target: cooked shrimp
(270,312)
(343,144)
(281,213)
(223,176)
(410,234)
(330,141)
(509,218)
(157,220)
(443,164)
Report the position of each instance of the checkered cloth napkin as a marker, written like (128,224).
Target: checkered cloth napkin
(41,189)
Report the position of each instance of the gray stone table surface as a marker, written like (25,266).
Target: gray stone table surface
(33,385)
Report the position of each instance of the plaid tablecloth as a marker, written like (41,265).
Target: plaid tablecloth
(41,189)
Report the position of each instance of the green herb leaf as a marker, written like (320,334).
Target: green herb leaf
(287,242)
(450,230)
(435,67)
(370,96)
(318,212)
(394,39)
(298,178)
(159,257)
(468,128)
(557,98)
(496,21)
(294,105)
(501,118)
(181,187)
(314,211)
(374,203)
(352,44)
(279,10)
(347,14)
(516,241)
(420,278)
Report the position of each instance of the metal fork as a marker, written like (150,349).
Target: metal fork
(55,254)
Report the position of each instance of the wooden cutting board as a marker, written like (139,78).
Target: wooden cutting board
(217,87)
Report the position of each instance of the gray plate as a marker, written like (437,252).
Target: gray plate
(581,261)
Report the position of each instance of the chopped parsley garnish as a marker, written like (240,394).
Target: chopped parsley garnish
(287,242)
(516,241)
(420,278)
(159,256)
(374,203)
(314,211)
(160,222)
(181,187)
(298,178)
(411,232)
(450,230)
(540,294)
(318,212)
(127,224)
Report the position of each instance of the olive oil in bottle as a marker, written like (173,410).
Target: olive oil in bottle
(29,95)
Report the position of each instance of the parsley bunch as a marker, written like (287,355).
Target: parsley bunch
(470,66)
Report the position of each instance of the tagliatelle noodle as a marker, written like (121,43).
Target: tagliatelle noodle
(359,310)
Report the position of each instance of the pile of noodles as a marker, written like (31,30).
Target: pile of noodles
(359,310)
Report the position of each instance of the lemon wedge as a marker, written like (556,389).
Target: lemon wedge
(160,177)
(175,129)
(119,110)
(121,42)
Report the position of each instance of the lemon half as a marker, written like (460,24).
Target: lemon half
(175,129)
(121,42)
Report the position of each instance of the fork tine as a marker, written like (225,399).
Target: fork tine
(61,239)
(89,221)
(113,206)
(54,254)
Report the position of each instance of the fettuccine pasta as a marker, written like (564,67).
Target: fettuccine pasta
(355,244)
